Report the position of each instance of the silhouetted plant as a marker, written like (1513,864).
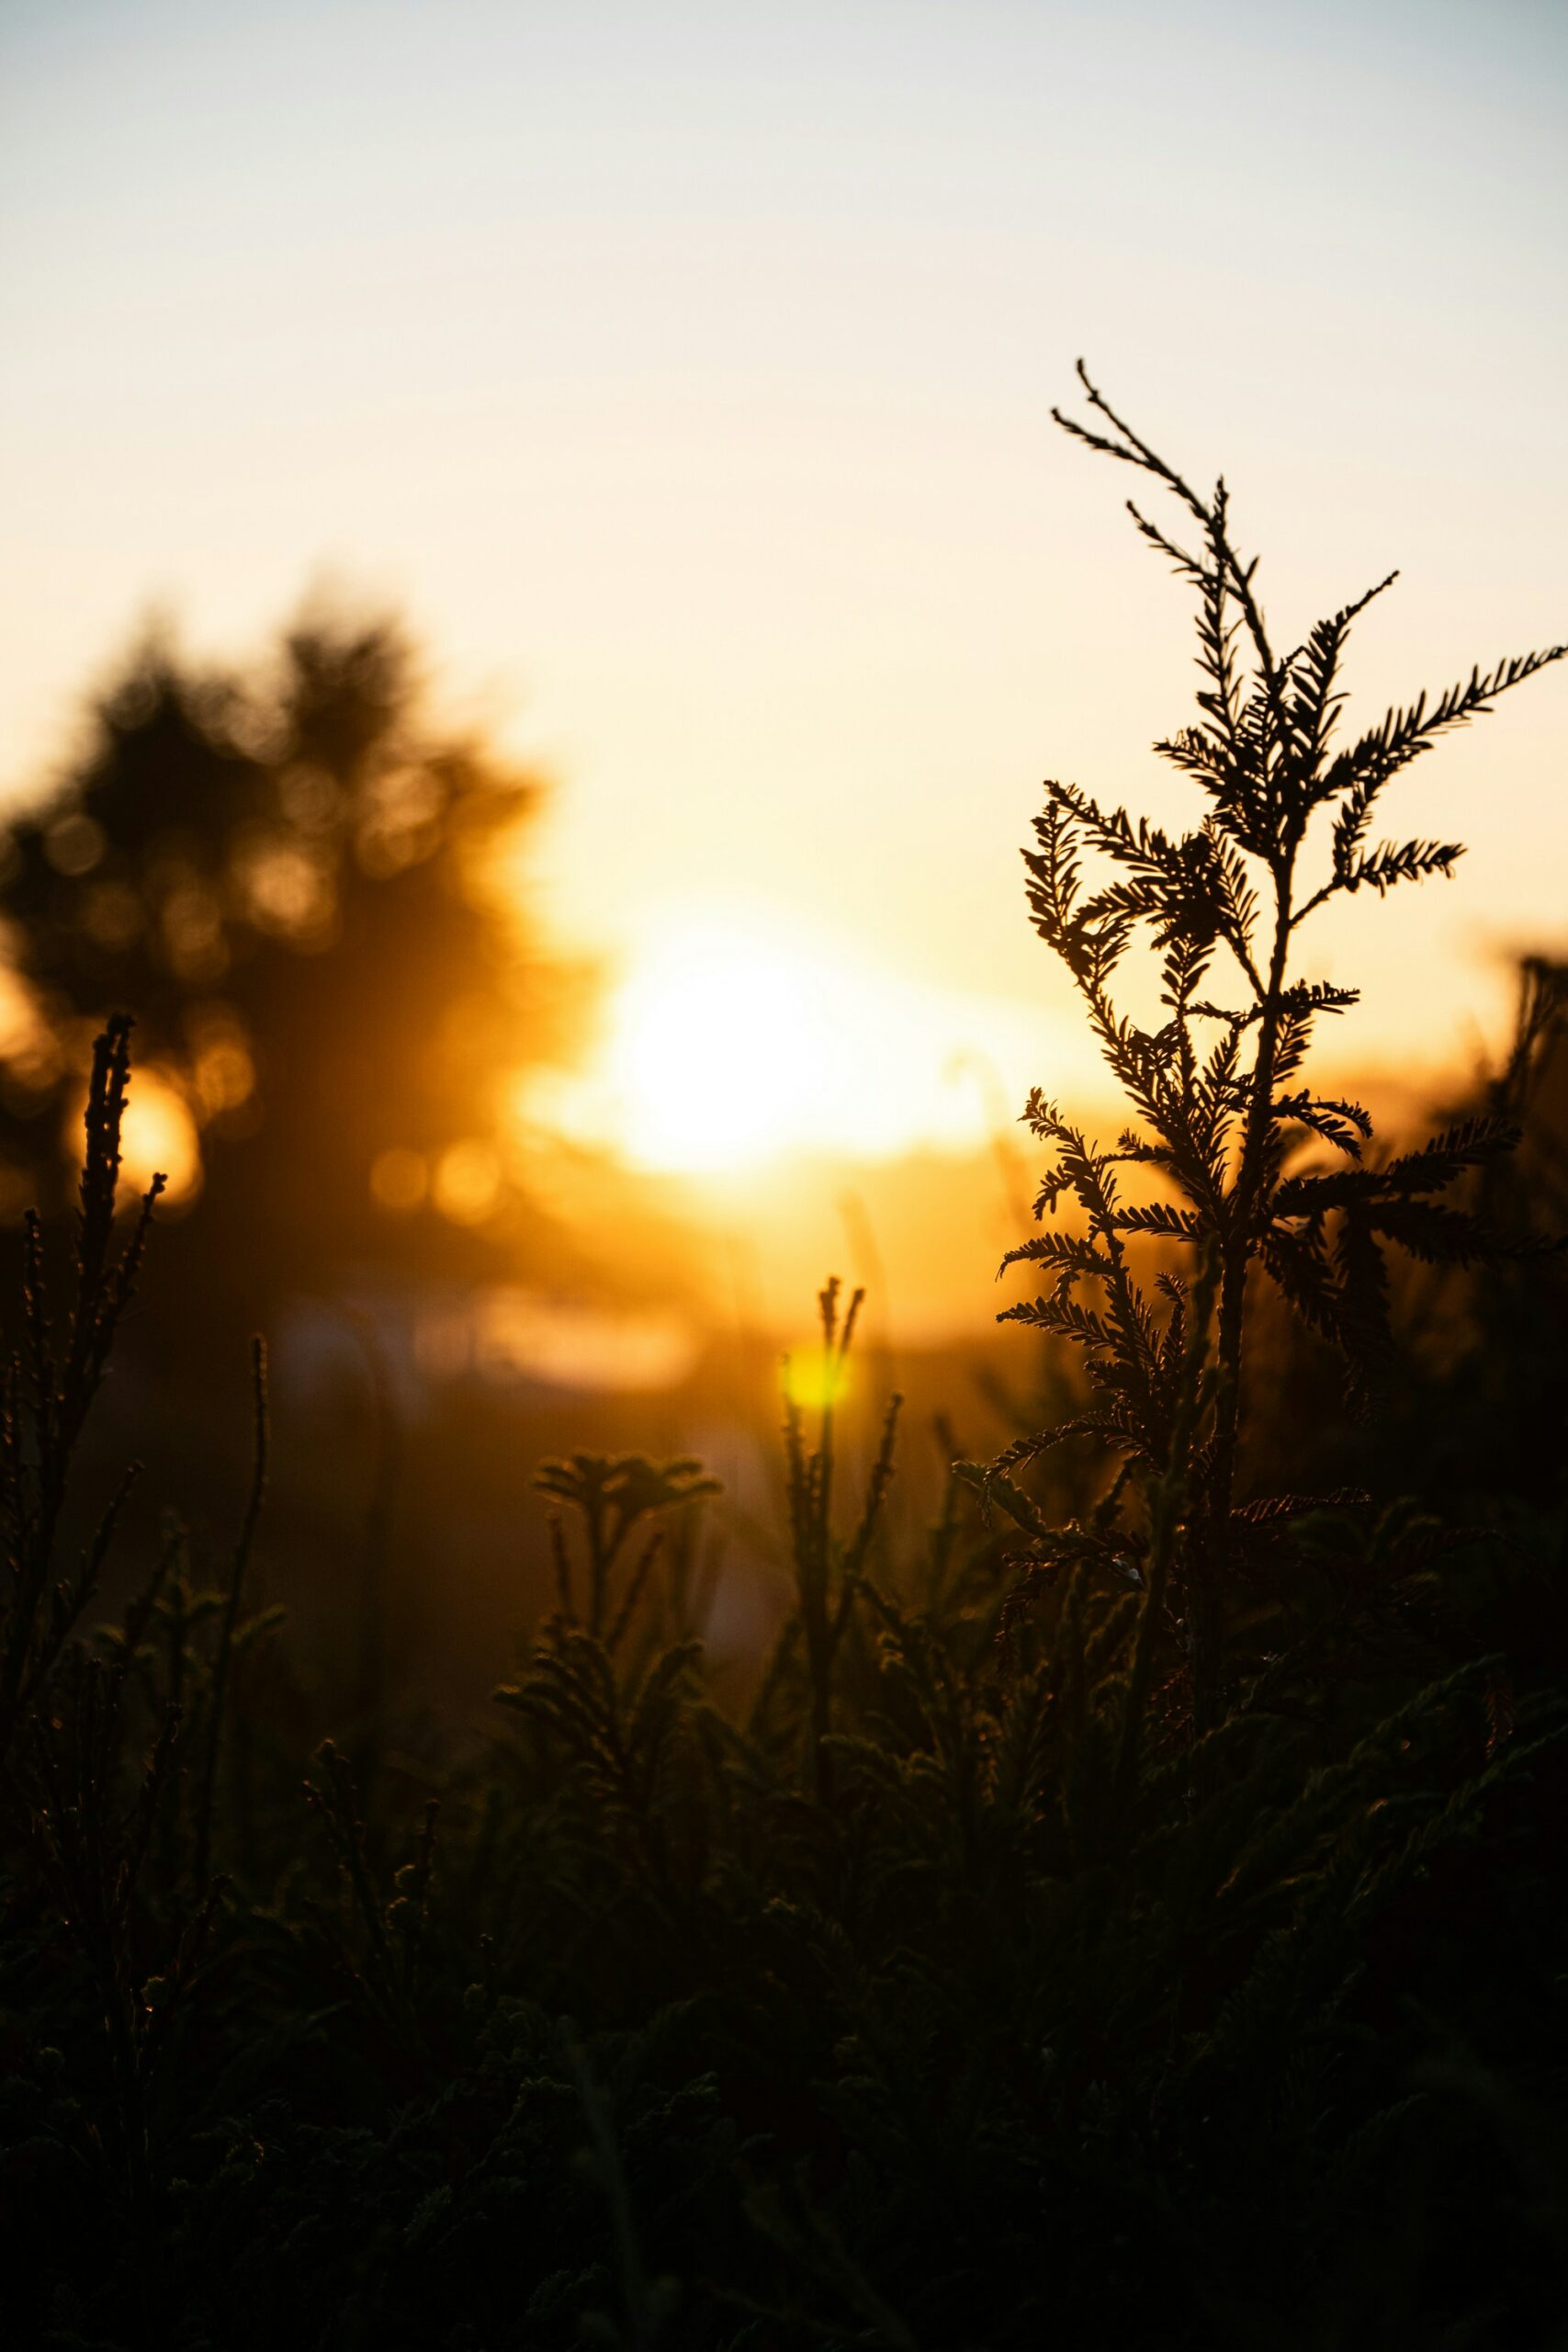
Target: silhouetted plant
(1220,1090)
(49,1393)
(610,1496)
(387,1974)
(828,1567)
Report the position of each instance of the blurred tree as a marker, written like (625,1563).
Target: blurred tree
(309,900)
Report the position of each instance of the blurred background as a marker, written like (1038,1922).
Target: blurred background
(537,588)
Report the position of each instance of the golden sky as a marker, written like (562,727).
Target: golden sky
(685,372)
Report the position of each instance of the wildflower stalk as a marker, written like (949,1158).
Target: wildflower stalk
(826,1578)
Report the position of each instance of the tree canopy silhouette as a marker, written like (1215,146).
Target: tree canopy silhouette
(305,894)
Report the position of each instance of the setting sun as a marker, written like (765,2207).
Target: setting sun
(733,1040)
(719,1050)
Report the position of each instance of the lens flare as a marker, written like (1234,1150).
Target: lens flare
(814,1379)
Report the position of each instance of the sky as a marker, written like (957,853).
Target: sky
(684,373)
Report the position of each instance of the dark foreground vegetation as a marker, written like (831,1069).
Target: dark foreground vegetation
(1132,1916)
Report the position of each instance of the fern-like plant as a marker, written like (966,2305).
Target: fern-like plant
(1222,1099)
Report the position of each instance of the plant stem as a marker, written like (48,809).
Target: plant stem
(1207,1598)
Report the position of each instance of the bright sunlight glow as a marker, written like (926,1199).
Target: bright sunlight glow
(732,1040)
(721,1048)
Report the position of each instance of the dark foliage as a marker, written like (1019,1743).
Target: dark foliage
(1222,1095)
(997,1964)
